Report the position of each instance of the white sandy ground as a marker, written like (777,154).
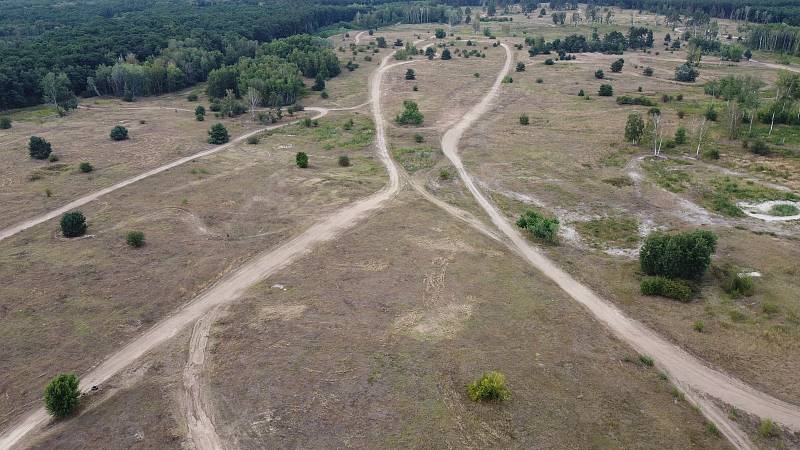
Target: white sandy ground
(761,210)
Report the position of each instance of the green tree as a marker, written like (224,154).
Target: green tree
(520,67)
(599,74)
(524,119)
(381,41)
(446,54)
(685,255)
(119,133)
(73,224)
(411,75)
(410,115)
(301,159)
(686,73)
(634,128)
(440,33)
(135,239)
(544,228)
(430,52)
(5,123)
(319,83)
(56,91)
(680,135)
(606,90)
(85,167)
(200,113)
(61,396)
(39,148)
(218,134)
(616,66)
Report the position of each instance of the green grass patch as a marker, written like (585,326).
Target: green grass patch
(667,175)
(784,210)
(415,158)
(611,231)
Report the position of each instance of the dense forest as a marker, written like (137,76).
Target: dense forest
(757,11)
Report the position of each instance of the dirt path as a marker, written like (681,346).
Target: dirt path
(691,375)
(235,284)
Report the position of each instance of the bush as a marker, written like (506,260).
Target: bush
(684,255)
(348,125)
(191,97)
(599,74)
(411,75)
(85,167)
(544,228)
(767,429)
(711,113)
(411,115)
(324,94)
(732,283)
(711,153)
(253,140)
(53,157)
(135,239)
(73,224)
(301,159)
(549,62)
(648,71)
(686,73)
(616,66)
(665,287)
(640,100)
(759,147)
(539,80)
(218,134)
(646,361)
(39,148)
(581,93)
(520,67)
(344,161)
(680,136)
(61,396)
(491,386)
(5,123)
(119,133)
(699,326)
(606,90)
(784,210)
(418,138)
(524,119)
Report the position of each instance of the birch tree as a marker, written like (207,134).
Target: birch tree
(253,99)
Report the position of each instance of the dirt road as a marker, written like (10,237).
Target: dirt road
(14,229)
(234,285)
(691,375)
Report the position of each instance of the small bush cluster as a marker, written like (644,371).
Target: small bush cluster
(5,123)
(606,90)
(411,115)
(666,287)
(683,255)
(73,224)
(85,167)
(344,161)
(524,119)
(135,239)
(544,228)
(39,148)
(218,134)
(119,133)
(630,100)
(491,386)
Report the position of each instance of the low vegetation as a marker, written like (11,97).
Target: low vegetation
(541,227)
(666,287)
(489,387)
(218,134)
(119,133)
(61,396)
(683,255)
(39,148)
(135,239)
(73,224)
(301,159)
(410,115)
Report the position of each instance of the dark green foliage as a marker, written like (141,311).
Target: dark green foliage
(665,287)
(680,135)
(446,54)
(344,161)
(199,111)
(61,396)
(549,62)
(543,228)
(418,138)
(629,100)
(39,148)
(617,65)
(759,147)
(411,115)
(85,167)
(520,67)
(440,33)
(581,93)
(711,113)
(599,74)
(73,224)
(218,134)
(606,90)
(634,128)
(348,124)
(523,119)
(53,157)
(191,97)
(253,140)
(686,73)
(411,75)
(732,282)
(491,387)
(135,239)
(648,72)
(324,94)
(301,159)
(119,133)
(683,255)
(5,123)
(319,83)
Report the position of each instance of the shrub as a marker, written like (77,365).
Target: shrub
(681,114)
(85,167)
(549,62)
(411,115)
(135,239)
(646,361)
(699,326)
(759,147)
(252,140)
(648,71)
(491,386)
(5,123)
(683,255)
(73,224)
(732,283)
(218,134)
(446,54)
(606,90)
(581,93)
(191,97)
(599,74)
(711,153)
(476,75)
(415,88)
(767,429)
(301,159)
(679,97)
(666,287)
(686,73)
(710,113)
(119,133)
(539,80)
(680,136)
(418,138)
(640,100)
(411,75)
(344,161)
(53,157)
(616,66)
(61,396)
(544,228)
(524,119)
(39,148)
(324,94)
(520,67)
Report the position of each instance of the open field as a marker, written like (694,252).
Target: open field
(366,332)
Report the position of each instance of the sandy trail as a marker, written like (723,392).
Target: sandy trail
(235,284)
(695,378)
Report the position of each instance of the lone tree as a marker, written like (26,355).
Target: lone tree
(5,123)
(73,224)
(411,115)
(440,33)
(39,148)
(544,228)
(119,133)
(686,73)
(61,396)
(599,74)
(135,239)
(381,41)
(606,90)
(200,113)
(319,83)
(301,159)
(430,52)
(616,66)
(411,75)
(648,72)
(634,128)
(684,255)
(446,54)
(520,67)
(218,134)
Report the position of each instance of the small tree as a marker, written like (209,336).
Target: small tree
(446,54)
(85,167)
(440,33)
(119,133)
(606,90)
(680,135)
(581,93)
(135,239)
(381,41)
(520,67)
(73,224)
(200,113)
(544,228)
(648,72)
(218,134)
(599,74)
(319,83)
(5,123)
(634,128)
(411,115)
(524,119)
(684,255)
(430,52)
(301,159)
(686,73)
(549,62)
(39,148)
(616,66)
(61,396)
(411,75)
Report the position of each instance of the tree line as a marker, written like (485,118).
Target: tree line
(756,11)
